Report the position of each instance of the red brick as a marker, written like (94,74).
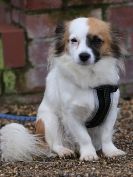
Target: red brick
(121,17)
(35,79)
(37,4)
(5,16)
(43,4)
(116,1)
(15,15)
(18,3)
(38,52)
(128,77)
(43,25)
(38,26)
(81,2)
(131,37)
(13,46)
(48,4)
(89,2)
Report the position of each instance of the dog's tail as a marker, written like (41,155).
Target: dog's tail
(18,144)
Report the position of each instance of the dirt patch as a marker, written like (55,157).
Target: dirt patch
(104,167)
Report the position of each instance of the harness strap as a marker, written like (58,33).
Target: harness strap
(104,99)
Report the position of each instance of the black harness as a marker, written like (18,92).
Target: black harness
(104,98)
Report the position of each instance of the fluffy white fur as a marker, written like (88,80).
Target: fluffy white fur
(17,144)
(70,99)
(68,102)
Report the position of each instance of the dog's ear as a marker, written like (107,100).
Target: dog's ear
(60,28)
(117,49)
(115,43)
(59,38)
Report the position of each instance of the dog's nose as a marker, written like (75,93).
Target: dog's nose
(84,56)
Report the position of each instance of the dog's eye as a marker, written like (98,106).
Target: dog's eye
(74,40)
(96,41)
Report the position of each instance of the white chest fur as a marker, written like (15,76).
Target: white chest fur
(69,86)
(79,102)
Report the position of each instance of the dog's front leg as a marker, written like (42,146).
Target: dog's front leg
(108,147)
(81,136)
(53,132)
(54,135)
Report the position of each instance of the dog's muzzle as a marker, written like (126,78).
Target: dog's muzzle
(84,57)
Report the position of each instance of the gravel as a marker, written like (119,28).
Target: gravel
(72,167)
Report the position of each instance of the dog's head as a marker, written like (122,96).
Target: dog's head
(86,40)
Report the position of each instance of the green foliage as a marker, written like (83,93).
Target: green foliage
(1,55)
(9,79)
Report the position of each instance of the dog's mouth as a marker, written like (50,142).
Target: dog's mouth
(86,63)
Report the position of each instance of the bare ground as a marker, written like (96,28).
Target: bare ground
(104,167)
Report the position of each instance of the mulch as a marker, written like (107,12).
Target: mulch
(72,167)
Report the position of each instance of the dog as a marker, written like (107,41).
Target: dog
(84,62)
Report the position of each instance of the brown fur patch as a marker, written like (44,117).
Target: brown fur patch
(101,29)
(40,128)
(61,38)
(66,35)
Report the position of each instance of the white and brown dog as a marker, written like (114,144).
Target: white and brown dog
(85,56)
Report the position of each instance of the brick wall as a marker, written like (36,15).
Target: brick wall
(37,19)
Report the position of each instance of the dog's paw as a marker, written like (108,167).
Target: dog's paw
(63,151)
(88,157)
(112,152)
(88,154)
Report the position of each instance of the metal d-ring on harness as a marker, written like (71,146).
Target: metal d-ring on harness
(104,98)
